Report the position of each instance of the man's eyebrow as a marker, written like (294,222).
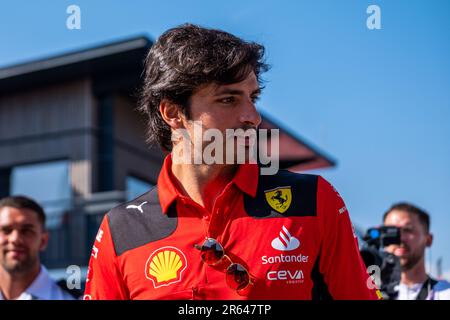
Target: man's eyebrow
(22,226)
(28,225)
(235,91)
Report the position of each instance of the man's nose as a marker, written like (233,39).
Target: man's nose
(403,236)
(14,236)
(250,115)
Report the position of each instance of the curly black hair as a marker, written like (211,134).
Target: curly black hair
(186,57)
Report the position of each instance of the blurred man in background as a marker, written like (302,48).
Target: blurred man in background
(415,283)
(22,237)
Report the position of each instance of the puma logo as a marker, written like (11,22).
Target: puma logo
(139,207)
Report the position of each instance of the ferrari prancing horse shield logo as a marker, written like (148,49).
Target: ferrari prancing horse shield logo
(279,198)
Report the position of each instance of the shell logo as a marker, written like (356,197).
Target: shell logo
(165,266)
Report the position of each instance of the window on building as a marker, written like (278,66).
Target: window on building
(136,187)
(49,184)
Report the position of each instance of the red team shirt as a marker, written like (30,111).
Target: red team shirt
(291,231)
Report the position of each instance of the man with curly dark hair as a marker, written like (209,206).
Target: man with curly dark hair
(221,229)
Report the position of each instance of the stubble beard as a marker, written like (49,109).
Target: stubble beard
(19,267)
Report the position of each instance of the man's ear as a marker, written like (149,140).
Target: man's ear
(171,114)
(44,240)
(429,240)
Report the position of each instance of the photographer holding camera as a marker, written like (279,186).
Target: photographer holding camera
(415,237)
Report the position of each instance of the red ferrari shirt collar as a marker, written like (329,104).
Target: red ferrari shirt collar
(246,179)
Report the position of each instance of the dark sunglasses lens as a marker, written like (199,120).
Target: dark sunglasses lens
(237,277)
(212,251)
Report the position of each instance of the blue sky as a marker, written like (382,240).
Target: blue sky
(378,101)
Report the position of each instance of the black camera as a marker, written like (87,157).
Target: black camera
(373,254)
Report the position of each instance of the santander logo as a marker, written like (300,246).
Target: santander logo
(285,242)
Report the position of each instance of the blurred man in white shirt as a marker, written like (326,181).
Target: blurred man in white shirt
(22,237)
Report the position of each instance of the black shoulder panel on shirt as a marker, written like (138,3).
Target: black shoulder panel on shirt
(303,195)
(140,221)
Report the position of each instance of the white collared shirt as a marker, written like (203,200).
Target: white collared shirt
(43,288)
(440,291)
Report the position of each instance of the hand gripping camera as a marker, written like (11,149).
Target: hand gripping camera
(373,253)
